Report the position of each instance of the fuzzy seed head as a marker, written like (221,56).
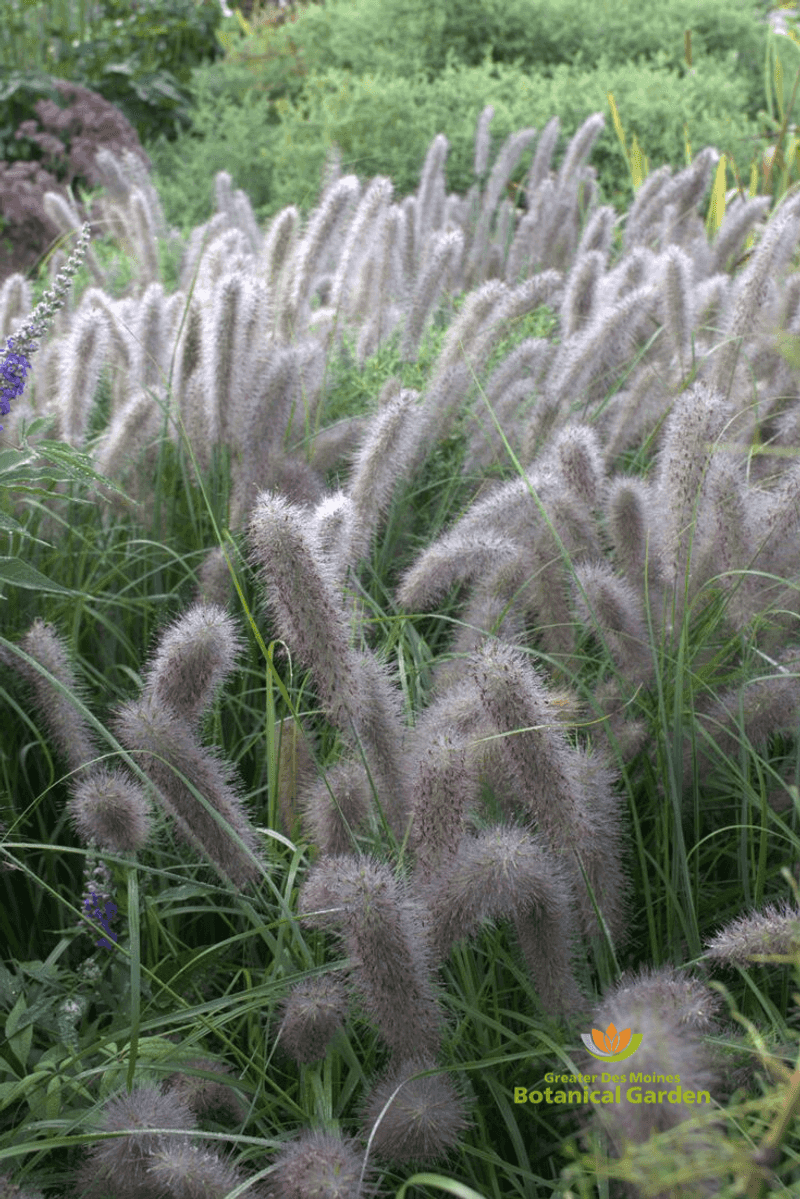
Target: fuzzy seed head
(387,946)
(314,1011)
(111,809)
(187,1170)
(65,725)
(503,873)
(773,930)
(120,1163)
(194,657)
(672,1011)
(205,1098)
(166,748)
(425,1119)
(318,1164)
(302,593)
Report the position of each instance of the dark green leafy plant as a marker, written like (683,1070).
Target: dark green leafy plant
(138,55)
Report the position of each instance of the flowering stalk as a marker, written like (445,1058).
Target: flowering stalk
(15,363)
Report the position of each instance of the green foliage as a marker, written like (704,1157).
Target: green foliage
(232,130)
(20,91)
(368,81)
(138,56)
(383,124)
(215,968)
(398,36)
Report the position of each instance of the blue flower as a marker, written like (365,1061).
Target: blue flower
(13,369)
(14,364)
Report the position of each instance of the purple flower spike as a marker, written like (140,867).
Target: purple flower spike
(13,369)
(14,360)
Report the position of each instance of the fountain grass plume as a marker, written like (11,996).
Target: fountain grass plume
(679,303)
(150,336)
(578,463)
(613,608)
(646,202)
(634,533)
(740,216)
(72,735)
(444,255)
(482,142)
(383,461)
(457,556)
(568,794)
(207,1098)
(507,392)
(259,424)
(279,243)
(688,443)
(594,352)
(598,233)
(302,594)
(321,1164)
(580,293)
(424,1120)
(479,306)
(430,184)
(313,1013)
(505,873)
(187,777)
(381,734)
(444,785)
(336,806)
(580,146)
(189,351)
(511,151)
(133,429)
(360,234)
(528,247)
(194,657)
(542,159)
(223,366)
(752,712)
(385,937)
(359,697)
(15,301)
(143,223)
(108,807)
(673,1012)
(304,263)
(121,1163)
(482,538)
(730,539)
(774,930)
(187,1169)
(772,254)
(381,315)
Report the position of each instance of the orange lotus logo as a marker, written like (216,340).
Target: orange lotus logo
(612,1045)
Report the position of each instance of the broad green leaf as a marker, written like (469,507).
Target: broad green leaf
(19,1042)
(52,1105)
(22,574)
(14,1017)
(10,524)
(10,987)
